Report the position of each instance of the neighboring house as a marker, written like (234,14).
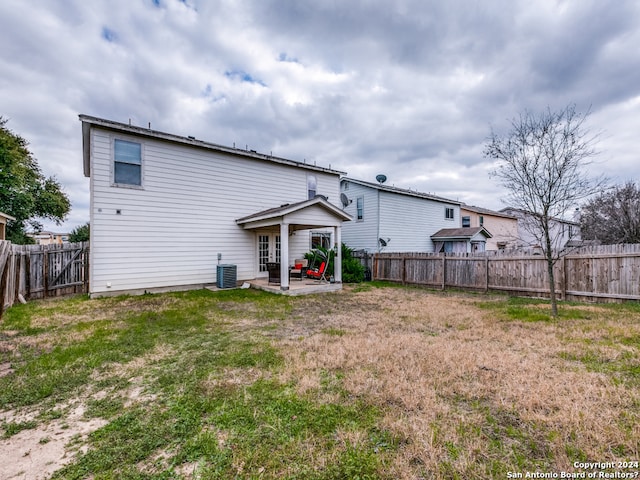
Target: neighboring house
(564,233)
(50,238)
(3,224)
(391,219)
(167,209)
(503,227)
(461,240)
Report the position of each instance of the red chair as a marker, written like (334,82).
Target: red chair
(318,273)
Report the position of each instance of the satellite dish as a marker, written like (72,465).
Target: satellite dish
(383,242)
(381,178)
(345,200)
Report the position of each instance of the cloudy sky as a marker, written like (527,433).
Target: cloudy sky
(408,88)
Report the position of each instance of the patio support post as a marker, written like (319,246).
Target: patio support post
(337,269)
(284,256)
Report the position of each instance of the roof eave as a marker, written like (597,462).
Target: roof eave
(284,211)
(402,191)
(88,121)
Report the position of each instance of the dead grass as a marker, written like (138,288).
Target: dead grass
(464,389)
(451,376)
(56,313)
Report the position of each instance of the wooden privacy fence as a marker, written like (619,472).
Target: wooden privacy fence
(40,271)
(603,273)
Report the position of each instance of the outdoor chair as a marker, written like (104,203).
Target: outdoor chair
(299,269)
(274,272)
(318,273)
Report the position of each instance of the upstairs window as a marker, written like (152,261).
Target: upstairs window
(312,185)
(481,220)
(127,165)
(466,221)
(360,208)
(448,213)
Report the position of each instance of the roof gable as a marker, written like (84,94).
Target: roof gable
(301,215)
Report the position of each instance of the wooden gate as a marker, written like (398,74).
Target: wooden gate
(40,271)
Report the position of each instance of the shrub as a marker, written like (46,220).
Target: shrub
(352,269)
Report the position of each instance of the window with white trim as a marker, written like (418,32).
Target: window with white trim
(448,213)
(360,208)
(127,163)
(466,221)
(312,185)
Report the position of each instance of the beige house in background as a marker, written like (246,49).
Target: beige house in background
(503,227)
(563,233)
(3,225)
(50,238)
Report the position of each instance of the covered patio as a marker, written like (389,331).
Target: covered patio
(304,287)
(286,220)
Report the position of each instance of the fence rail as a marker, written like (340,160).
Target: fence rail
(40,271)
(602,273)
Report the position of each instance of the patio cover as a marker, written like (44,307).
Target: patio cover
(314,213)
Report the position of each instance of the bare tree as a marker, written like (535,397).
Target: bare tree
(542,166)
(613,216)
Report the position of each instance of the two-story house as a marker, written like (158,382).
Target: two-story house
(563,233)
(392,219)
(167,209)
(503,227)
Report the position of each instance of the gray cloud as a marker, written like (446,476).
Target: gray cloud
(408,88)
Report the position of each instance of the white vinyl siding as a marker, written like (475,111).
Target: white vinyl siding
(170,233)
(409,222)
(361,235)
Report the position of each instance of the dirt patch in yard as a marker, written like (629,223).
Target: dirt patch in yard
(37,453)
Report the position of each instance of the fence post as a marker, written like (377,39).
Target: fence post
(564,278)
(404,270)
(45,272)
(16,287)
(86,267)
(486,273)
(374,271)
(444,271)
(27,277)
(4,272)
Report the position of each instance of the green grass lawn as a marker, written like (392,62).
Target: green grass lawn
(246,384)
